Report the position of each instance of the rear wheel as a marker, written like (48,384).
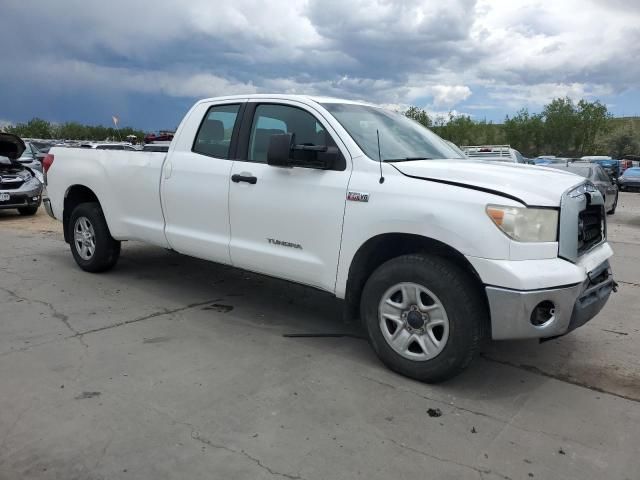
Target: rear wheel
(92,245)
(28,211)
(424,316)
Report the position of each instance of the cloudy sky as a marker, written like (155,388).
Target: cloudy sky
(147,60)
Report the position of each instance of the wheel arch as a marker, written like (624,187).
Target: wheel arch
(384,247)
(75,195)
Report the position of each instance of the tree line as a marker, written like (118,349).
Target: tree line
(42,129)
(562,128)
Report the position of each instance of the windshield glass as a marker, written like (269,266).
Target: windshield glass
(29,152)
(400,137)
(632,172)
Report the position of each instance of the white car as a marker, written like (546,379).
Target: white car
(109,146)
(431,250)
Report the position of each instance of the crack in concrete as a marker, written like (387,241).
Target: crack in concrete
(614,331)
(560,377)
(54,311)
(79,335)
(196,436)
(480,471)
(628,283)
(160,313)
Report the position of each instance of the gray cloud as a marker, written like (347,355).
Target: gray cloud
(434,53)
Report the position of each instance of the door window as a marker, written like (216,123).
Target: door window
(214,136)
(278,119)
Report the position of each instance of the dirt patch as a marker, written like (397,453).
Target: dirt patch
(38,223)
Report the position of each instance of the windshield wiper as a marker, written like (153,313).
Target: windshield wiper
(406,159)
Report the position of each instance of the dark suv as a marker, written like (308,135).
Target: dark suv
(20,185)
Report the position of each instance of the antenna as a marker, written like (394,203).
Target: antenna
(379,156)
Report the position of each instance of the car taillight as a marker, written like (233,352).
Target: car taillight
(47,161)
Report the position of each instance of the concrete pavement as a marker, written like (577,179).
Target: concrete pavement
(171,367)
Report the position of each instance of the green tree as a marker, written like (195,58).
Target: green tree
(525,132)
(419,115)
(34,128)
(622,142)
(593,119)
(561,122)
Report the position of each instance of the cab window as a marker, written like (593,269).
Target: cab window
(214,135)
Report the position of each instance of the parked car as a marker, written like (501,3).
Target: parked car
(630,179)
(606,185)
(108,146)
(611,166)
(430,249)
(32,157)
(43,147)
(156,147)
(161,136)
(550,160)
(20,185)
(494,153)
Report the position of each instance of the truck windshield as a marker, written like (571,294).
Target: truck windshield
(401,139)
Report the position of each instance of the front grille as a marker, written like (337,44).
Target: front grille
(10,182)
(582,221)
(590,228)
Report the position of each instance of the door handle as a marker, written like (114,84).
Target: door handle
(244,178)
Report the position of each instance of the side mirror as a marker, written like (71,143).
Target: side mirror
(282,152)
(279,151)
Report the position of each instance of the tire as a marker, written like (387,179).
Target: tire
(105,251)
(448,285)
(28,211)
(615,205)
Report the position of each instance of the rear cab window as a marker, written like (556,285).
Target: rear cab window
(216,130)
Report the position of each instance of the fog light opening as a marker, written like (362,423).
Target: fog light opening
(543,313)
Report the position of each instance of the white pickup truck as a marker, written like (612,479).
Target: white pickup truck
(431,250)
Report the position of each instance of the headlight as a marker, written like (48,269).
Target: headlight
(525,224)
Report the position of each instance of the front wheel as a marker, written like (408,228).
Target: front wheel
(92,246)
(424,316)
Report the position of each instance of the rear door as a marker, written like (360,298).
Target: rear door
(195,181)
(287,222)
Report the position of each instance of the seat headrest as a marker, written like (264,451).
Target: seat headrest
(211,131)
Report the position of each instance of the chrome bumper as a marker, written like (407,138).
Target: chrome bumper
(573,306)
(47,206)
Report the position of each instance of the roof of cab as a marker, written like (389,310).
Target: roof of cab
(281,96)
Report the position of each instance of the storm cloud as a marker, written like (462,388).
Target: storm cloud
(147,60)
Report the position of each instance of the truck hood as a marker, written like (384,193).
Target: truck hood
(529,184)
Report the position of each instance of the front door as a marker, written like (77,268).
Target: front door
(286,222)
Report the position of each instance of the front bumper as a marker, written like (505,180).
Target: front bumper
(47,206)
(21,198)
(573,306)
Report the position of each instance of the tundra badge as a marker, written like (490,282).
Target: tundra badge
(273,241)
